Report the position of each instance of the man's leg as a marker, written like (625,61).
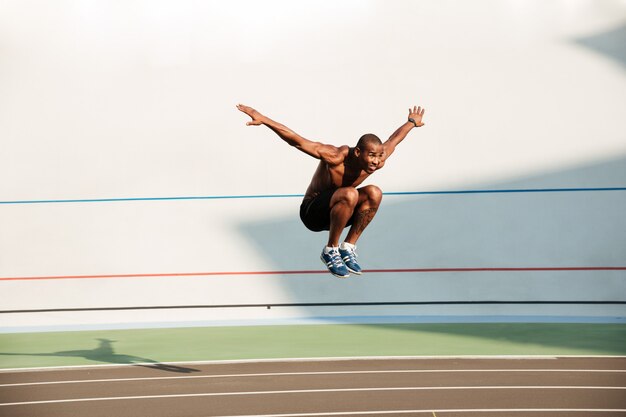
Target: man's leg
(342,205)
(367,205)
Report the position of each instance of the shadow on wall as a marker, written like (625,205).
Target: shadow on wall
(105,353)
(611,43)
(491,230)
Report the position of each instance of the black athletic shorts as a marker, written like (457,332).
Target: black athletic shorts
(315,212)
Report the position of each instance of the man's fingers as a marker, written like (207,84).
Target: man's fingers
(416,110)
(244,109)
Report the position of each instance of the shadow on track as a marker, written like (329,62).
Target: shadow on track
(105,352)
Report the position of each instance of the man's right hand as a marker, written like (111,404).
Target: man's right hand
(257,118)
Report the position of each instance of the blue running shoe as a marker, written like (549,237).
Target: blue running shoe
(348,256)
(333,262)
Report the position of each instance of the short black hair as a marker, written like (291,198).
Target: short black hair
(367,139)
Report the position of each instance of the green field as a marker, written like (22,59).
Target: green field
(18,350)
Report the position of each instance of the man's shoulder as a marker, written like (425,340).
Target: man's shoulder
(337,155)
(344,151)
(341,149)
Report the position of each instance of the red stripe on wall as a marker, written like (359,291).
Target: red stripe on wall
(305,272)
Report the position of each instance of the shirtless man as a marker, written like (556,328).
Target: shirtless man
(332,201)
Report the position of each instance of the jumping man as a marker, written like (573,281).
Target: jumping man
(332,201)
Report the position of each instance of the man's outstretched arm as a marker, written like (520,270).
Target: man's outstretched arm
(328,153)
(414,120)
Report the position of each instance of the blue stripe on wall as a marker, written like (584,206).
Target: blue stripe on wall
(225,197)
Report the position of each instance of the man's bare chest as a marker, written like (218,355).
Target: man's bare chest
(342,176)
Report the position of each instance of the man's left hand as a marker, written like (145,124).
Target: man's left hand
(416,115)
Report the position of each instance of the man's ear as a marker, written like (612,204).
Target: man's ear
(357,152)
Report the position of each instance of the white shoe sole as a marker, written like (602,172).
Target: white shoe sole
(354,272)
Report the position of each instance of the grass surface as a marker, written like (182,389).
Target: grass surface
(19,350)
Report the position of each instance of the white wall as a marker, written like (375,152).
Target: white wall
(136,99)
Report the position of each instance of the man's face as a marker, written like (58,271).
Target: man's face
(371,157)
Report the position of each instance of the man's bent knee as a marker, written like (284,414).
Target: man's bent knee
(346,195)
(374,194)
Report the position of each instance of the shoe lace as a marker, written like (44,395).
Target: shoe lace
(335,257)
(351,254)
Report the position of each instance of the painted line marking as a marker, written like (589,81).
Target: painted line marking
(265,196)
(306,272)
(274,374)
(548,358)
(310,391)
(456,410)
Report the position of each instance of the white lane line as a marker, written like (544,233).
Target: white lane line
(391,371)
(314,360)
(323,359)
(307,391)
(459,410)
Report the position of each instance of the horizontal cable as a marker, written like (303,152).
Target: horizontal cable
(321,304)
(308,272)
(265,196)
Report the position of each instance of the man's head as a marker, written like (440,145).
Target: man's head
(369,152)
